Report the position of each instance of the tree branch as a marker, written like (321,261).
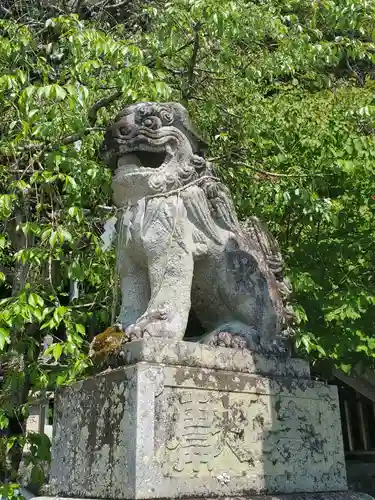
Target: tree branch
(105,101)
(70,139)
(194,55)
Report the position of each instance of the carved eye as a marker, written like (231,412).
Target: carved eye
(152,122)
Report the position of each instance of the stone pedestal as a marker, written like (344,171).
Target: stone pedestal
(187,420)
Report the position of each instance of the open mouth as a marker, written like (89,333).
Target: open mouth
(143,159)
(151,159)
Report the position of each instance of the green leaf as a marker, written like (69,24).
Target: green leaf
(6,205)
(60,92)
(4,337)
(35,300)
(53,238)
(37,475)
(80,328)
(57,351)
(46,234)
(4,421)
(65,235)
(69,181)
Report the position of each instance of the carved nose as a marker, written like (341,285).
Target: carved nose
(123,128)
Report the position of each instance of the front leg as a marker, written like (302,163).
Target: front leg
(135,293)
(168,244)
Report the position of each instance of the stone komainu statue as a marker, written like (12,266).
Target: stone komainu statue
(181,249)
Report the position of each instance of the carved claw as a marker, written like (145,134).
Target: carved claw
(228,339)
(154,323)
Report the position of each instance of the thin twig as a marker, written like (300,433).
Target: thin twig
(117,5)
(274,174)
(212,74)
(223,109)
(80,306)
(5,10)
(57,8)
(263,172)
(100,4)
(165,54)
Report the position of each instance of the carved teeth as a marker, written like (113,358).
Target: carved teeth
(169,150)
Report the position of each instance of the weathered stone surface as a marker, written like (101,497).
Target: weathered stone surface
(180,245)
(341,495)
(157,431)
(170,352)
(94,445)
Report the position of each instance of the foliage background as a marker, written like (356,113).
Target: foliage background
(283,91)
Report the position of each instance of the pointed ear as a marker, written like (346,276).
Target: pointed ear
(183,120)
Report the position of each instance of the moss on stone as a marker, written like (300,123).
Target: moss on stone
(106,344)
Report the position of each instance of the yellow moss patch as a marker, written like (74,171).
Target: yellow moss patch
(106,343)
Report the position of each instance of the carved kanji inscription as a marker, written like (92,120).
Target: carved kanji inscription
(211,432)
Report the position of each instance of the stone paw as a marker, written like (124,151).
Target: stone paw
(228,339)
(154,323)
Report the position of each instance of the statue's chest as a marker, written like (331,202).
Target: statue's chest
(129,229)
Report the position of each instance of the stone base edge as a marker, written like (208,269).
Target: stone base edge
(340,495)
(193,354)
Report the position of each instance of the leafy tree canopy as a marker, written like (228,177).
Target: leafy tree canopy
(284,91)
